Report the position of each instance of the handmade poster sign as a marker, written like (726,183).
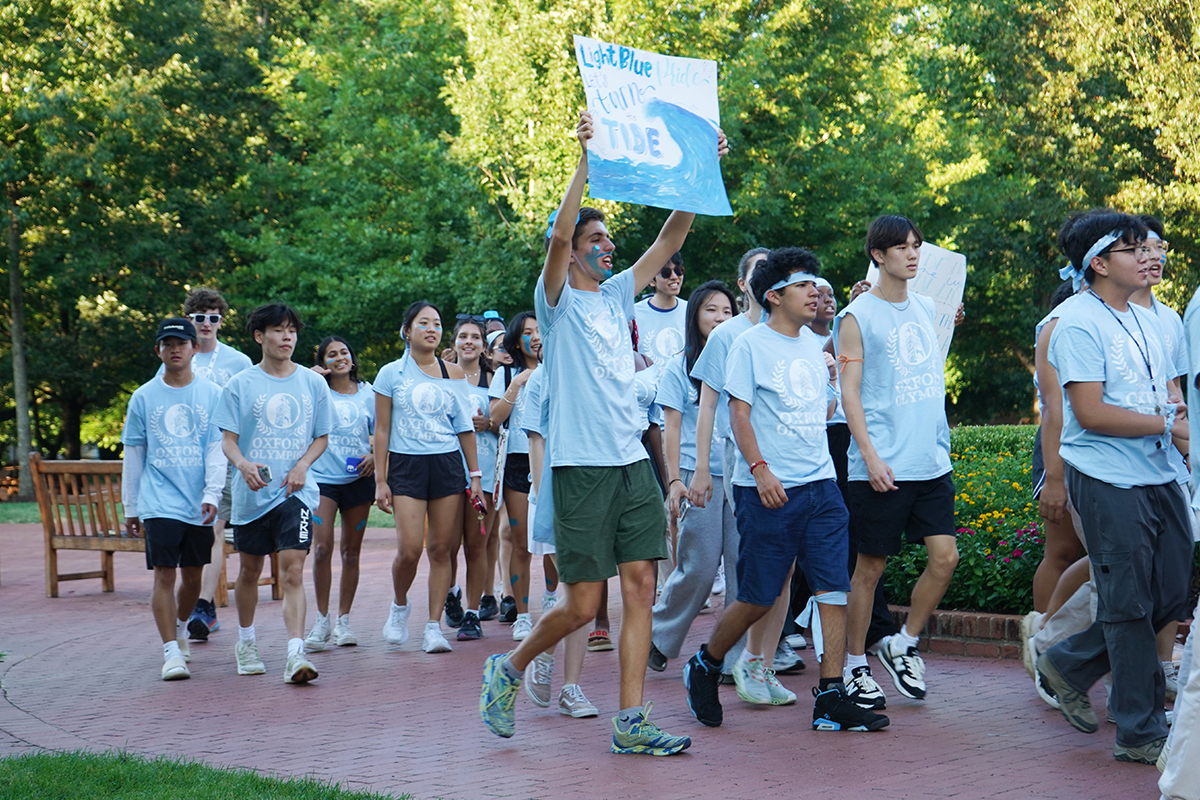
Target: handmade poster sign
(656,120)
(941,275)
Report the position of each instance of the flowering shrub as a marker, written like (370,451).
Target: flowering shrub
(999,532)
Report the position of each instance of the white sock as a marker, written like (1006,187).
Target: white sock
(853,661)
(474,611)
(905,638)
(525,616)
(747,656)
(245,634)
(456,590)
(171,650)
(295,646)
(396,607)
(181,629)
(433,623)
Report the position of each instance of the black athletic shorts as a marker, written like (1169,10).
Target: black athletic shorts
(359,492)
(287,526)
(172,543)
(879,521)
(426,477)
(516,473)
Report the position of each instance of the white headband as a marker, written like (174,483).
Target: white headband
(1151,236)
(795,277)
(824,284)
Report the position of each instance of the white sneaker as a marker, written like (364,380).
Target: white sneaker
(1030,624)
(905,665)
(318,638)
(184,649)
(299,669)
(537,679)
(247,658)
(395,630)
(434,642)
(797,641)
(522,627)
(862,690)
(780,694)
(718,586)
(175,669)
(548,601)
(573,703)
(343,635)
(750,677)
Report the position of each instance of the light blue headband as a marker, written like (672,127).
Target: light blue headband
(824,284)
(1151,236)
(1075,274)
(795,277)
(550,222)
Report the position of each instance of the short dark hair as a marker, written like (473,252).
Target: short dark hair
(1084,229)
(586,214)
(203,299)
(889,231)
(270,315)
(781,263)
(324,345)
(512,338)
(1153,223)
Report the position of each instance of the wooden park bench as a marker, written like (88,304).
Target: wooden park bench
(80,506)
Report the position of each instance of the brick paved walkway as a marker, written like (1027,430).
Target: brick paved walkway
(81,672)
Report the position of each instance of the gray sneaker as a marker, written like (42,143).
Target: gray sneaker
(657,661)
(1144,754)
(573,703)
(248,662)
(537,679)
(1074,705)
(299,669)
(318,638)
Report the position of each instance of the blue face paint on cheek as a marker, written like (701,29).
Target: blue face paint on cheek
(593,262)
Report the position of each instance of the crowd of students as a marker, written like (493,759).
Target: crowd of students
(797,445)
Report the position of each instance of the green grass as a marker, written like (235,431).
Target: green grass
(11,512)
(121,776)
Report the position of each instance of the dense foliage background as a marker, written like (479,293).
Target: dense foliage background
(350,157)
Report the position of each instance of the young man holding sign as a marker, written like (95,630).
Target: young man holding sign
(608,514)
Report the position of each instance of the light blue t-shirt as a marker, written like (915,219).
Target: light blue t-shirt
(276,420)
(486,442)
(1175,343)
(537,421)
(518,442)
(839,416)
(1054,314)
(218,366)
(353,424)
(786,383)
(676,391)
(903,388)
(176,427)
(1089,345)
(660,333)
(1191,326)
(645,384)
(537,414)
(427,413)
(589,354)
(710,368)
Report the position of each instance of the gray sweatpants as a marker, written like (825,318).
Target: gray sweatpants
(704,536)
(1140,544)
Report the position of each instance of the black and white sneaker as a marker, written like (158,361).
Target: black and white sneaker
(657,661)
(863,691)
(454,608)
(834,711)
(906,667)
(701,681)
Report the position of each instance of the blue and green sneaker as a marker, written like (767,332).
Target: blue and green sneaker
(645,737)
(497,697)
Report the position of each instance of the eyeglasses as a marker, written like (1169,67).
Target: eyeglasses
(1141,250)
(665,272)
(200,319)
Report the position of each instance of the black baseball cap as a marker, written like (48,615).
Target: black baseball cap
(178,327)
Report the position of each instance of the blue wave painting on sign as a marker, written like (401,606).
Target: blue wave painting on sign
(655,128)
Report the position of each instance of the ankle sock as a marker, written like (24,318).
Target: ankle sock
(171,650)
(474,611)
(905,639)
(245,634)
(747,656)
(181,631)
(627,717)
(511,671)
(853,661)
(295,646)
(707,658)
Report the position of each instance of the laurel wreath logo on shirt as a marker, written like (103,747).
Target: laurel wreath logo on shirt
(1121,364)
(893,353)
(403,392)
(779,383)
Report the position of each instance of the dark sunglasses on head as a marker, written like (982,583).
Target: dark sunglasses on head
(199,319)
(478,320)
(666,271)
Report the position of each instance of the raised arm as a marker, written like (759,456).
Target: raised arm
(558,255)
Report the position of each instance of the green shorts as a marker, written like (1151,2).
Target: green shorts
(605,516)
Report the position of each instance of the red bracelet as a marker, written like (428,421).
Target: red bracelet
(756,465)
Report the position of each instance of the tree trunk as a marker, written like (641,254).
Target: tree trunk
(72,417)
(20,371)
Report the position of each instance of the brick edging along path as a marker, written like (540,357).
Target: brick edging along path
(968,633)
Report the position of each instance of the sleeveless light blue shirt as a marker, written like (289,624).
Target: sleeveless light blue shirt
(903,389)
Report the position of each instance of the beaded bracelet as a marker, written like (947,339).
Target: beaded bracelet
(756,465)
